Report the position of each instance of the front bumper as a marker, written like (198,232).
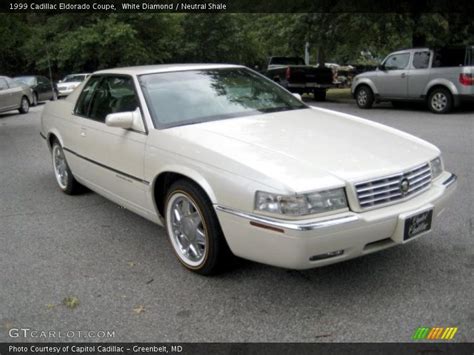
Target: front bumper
(305,244)
(65,92)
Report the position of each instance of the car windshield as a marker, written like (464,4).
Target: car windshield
(194,96)
(28,80)
(74,78)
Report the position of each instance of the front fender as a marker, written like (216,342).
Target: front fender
(190,174)
(366,81)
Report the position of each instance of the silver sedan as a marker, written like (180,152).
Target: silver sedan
(14,95)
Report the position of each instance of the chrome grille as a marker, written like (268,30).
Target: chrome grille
(388,189)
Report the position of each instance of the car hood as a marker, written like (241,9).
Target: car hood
(69,83)
(305,148)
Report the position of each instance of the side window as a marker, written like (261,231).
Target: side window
(3,84)
(421,60)
(397,61)
(41,80)
(82,106)
(12,83)
(113,94)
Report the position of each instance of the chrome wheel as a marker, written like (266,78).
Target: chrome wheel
(439,101)
(60,166)
(186,229)
(362,97)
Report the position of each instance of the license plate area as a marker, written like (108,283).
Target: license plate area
(417,224)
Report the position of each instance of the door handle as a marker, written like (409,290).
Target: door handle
(403,75)
(83,132)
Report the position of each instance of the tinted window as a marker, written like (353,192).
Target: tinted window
(113,94)
(82,106)
(421,60)
(3,84)
(450,57)
(186,97)
(27,80)
(397,61)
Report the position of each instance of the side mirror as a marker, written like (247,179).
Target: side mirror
(126,120)
(298,96)
(60,81)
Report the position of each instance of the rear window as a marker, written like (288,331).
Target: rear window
(452,57)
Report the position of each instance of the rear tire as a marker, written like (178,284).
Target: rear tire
(319,95)
(64,178)
(364,97)
(194,230)
(440,100)
(24,105)
(35,99)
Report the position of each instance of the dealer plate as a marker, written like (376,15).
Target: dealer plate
(417,224)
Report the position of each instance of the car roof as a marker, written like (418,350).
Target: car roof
(410,50)
(150,69)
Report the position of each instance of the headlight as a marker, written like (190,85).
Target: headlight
(301,205)
(436,167)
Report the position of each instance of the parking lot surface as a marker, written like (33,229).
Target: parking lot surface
(123,277)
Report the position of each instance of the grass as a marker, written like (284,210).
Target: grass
(339,94)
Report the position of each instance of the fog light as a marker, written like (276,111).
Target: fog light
(326,255)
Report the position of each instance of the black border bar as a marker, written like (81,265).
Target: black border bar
(238,348)
(465,7)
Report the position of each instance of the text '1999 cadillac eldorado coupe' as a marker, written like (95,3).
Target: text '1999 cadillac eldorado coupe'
(230,163)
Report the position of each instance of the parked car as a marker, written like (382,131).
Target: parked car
(230,162)
(70,83)
(43,89)
(294,75)
(14,96)
(442,78)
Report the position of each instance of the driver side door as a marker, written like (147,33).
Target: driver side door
(112,157)
(392,78)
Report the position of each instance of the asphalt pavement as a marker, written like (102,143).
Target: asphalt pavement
(122,277)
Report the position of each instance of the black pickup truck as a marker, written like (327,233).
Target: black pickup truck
(295,76)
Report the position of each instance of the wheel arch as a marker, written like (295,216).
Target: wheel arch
(51,137)
(366,82)
(165,178)
(436,83)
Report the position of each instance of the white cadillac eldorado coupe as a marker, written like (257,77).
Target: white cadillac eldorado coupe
(231,163)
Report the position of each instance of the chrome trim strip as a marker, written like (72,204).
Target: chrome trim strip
(107,167)
(291,225)
(450,180)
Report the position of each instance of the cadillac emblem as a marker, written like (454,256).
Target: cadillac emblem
(404,186)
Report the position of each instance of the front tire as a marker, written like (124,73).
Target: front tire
(64,178)
(364,97)
(440,100)
(24,105)
(194,230)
